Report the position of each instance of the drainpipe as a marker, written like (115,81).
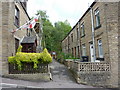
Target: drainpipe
(93,33)
(80,42)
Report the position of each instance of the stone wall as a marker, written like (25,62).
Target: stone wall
(5,18)
(8,25)
(94,78)
(96,74)
(119,46)
(31,77)
(112,24)
(0,38)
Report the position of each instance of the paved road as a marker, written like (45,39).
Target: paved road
(61,76)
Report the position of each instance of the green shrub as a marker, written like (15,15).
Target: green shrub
(60,55)
(11,59)
(35,58)
(46,57)
(64,56)
(19,49)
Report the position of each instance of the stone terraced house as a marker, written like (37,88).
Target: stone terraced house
(95,37)
(14,14)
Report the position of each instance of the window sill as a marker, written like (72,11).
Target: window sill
(97,27)
(101,59)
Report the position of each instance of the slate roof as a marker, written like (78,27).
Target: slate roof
(29,39)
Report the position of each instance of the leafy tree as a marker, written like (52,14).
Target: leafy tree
(47,29)
(62,28)
(43,14)
(53,35)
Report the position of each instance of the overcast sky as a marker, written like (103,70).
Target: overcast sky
(60,10)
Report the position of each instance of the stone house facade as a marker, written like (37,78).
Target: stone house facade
(13,15)
(95,36)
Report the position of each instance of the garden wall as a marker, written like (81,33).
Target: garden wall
(90,73)
(94,78)
(30,77)
(42,73)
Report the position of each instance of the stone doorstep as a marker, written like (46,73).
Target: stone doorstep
(30,77)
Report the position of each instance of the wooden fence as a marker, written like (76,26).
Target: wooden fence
(27,68)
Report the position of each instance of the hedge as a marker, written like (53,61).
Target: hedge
(35,58)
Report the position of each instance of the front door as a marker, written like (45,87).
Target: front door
(91,52)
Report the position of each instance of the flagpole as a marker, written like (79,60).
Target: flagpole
(26,24)
(40,29)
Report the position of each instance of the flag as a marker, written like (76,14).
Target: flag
(25,26)
(29,24)
(36,20)
(32,23)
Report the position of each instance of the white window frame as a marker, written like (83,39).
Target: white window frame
(77,30)
(17,16)
(97,15)
(82,29)
(100,49)
(83,50)
(72,37)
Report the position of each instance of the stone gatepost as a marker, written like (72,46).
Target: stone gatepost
(113,51)
(112,17)
(0,38)
(5,13)
(8,47)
